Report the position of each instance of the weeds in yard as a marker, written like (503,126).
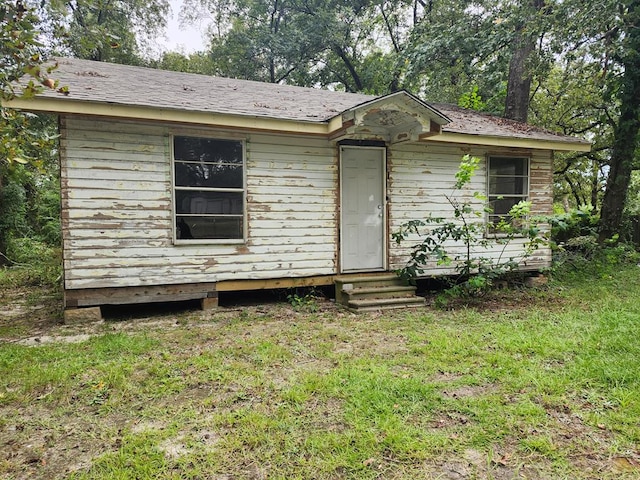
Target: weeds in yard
(307,301)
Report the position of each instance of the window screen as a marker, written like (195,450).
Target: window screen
(508,184)
(208,188)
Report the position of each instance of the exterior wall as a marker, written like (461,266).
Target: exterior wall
(117,201)
(419,177)
(117,218)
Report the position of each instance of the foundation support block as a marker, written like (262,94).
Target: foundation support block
(209,303)
(78,316)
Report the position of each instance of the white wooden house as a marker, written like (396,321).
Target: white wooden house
(178,186)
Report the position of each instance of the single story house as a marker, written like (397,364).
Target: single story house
(178,186)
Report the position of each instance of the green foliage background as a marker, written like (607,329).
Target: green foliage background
(447,51)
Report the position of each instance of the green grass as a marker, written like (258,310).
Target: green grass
(545,388)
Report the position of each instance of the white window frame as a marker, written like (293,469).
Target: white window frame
(489,219)
(174,188)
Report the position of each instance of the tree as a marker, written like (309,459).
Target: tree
(108,30)
(20,54)
(303,42)
(27,141)
(520,76)
(625,142)
(570,100)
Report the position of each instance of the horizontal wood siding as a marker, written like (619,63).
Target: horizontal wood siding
(117,205)
(420,176)
(117,217)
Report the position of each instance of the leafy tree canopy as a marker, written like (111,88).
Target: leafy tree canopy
(106,30)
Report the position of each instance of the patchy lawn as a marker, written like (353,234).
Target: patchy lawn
(539,385)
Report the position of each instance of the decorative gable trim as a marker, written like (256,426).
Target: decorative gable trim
(396,118)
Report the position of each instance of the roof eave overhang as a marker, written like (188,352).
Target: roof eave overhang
(65,106)
(337,128)
(511,142)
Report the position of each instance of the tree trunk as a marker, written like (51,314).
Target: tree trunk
(595,182)
(625,138)
(519,82)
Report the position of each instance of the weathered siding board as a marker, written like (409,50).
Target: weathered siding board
(419,177)
(117,201)
(111,176)
(204,263)
(541,183)
(117,221)
(158,275)
(78,244)
(145,253)
(114,232)
(115,195)
(128,185)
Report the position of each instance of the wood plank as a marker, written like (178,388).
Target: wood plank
(132,132)
(77,123)
(132,185)
(114,176)
(161,278)
(210,263)
(107,155)
(273,283)
(200,253)
(78,244)
(133,295)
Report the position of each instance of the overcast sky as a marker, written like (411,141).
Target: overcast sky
(187,39)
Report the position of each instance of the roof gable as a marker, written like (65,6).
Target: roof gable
(398,117)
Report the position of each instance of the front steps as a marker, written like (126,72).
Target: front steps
(375,292)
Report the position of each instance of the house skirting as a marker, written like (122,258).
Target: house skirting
(90,297)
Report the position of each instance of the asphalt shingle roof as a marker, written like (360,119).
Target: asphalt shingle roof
(138,86)
(127,85)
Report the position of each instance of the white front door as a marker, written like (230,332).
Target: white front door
(362,207)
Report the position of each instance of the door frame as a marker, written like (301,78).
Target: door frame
(383,177)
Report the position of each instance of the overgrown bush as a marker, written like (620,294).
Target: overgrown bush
(30,231)
(575,244)
(584,257)
(304,299)
(13,212)
(579,222)
(34,263)
(475,273)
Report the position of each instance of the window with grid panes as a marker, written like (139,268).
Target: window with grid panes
(208,178)
(508,184)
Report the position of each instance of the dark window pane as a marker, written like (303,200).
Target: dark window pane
(508,186)
(209,165)
(213,175)
(503,205)
(507,166)
(206,228)
(210,150)
(206,202)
